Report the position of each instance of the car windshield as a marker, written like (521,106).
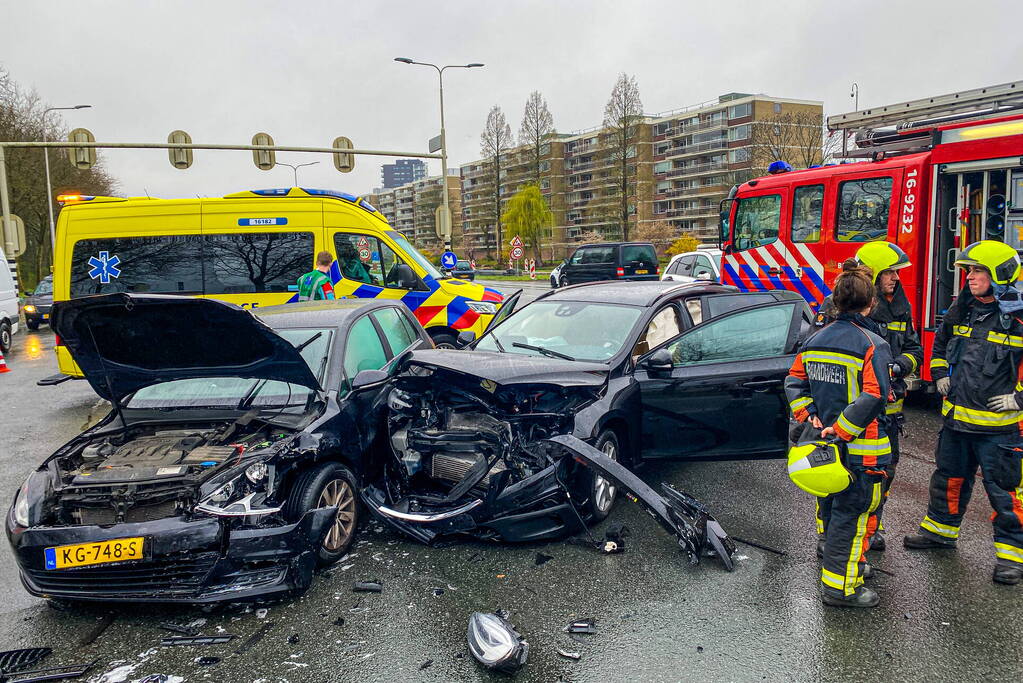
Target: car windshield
(463,265)
(411,252)
(582,330)
(44,287)
(239,392)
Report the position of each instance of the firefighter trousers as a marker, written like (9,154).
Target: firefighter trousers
(958,456)
(848,520)
(893,438)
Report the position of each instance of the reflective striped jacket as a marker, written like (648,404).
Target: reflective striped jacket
(841,375)
(982,350)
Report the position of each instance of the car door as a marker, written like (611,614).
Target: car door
(722,396)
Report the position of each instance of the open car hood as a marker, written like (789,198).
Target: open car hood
(124,342)
(507,369)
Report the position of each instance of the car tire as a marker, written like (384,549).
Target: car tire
(324,485)
(601,493)
(554,283)
(32,325)
(563,281)
(444,341)
(5,337)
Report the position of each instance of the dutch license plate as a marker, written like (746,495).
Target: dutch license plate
(641,272)
(103,552)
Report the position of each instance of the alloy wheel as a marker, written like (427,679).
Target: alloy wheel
(339,492)
(603,489)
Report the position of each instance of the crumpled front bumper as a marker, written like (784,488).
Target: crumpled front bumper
(195,561)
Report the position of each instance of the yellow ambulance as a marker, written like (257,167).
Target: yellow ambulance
(250,248)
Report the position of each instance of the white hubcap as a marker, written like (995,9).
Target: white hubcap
(603,489)
(338,492)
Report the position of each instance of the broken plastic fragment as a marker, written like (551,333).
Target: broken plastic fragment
(53,673)
(426,665)
(367,587)
(183,630)
(543,559)
(582,626)
(570,655)
(18,660)
(293,639)
(495,643)
(207,661)
(197,640)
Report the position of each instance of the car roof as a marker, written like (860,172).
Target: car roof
(706,252)
(632,293)
(319,313)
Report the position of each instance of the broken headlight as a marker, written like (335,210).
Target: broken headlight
(482,307)
(495,643)
(34,489)
(256,472)
(238,493)
(21,506)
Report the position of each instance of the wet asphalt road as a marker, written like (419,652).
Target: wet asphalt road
(658,618)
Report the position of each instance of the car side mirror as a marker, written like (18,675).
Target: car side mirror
(368,378)
(405,276)
(704,275)
(658,361)
(465,337)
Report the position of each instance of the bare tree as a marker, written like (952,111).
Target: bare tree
(537,125)
(622,116)
(495,141)
(661,233)
(793,137)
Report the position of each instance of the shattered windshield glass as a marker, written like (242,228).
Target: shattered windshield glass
(581,330)
(238,392)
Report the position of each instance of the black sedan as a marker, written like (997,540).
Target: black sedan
(627,372)
(230,464)
(37,305)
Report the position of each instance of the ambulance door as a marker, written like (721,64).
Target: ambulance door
(865,210)
(256,249)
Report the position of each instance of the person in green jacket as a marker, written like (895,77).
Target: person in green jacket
(316,285)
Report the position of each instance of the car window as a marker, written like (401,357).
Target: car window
(363,350)
(807,209)
(248,262)
(863,210)
(595,256)
(167,264)
(578,256)
(44,287)
(757,220)
(398,334)
(663,326)
(755,333)
(685,265)
(703,266)
(640,254)
(366,258)
(717,305)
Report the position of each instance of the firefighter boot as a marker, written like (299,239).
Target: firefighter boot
(925,542)
(820,548)
(877,541)
(1009,574)
(863,597)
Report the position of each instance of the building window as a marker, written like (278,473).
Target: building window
(777,107)
(662,149)
(737,156)
(545,165)
(739,132)
(664,186)
(662,167)
(740,111)
(662,128)
(545,148)
(545,184)
(630,152)
(660,207)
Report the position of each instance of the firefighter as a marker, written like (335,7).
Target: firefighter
(894,318)
(839,384)
(316,285)
(977,366)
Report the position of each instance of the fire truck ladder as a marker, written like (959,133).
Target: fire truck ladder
(908,126)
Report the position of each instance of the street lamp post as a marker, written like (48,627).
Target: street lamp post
(443,138)
(295,168)
(46,163)
(855,94)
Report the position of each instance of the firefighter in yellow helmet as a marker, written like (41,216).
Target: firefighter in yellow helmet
(894,318)
(977,366)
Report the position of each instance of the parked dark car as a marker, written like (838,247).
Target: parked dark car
(230,464)
(464,271)
(634,372)
(38,304)
(622,261)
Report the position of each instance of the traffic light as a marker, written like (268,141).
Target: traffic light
(264,159)
(180,158)
(342,161)
(82,158)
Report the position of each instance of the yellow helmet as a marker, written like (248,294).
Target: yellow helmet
(816,467)
(1001,260)
(879,256)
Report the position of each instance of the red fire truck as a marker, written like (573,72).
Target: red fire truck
(934,176)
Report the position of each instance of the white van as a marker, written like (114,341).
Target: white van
(8,305)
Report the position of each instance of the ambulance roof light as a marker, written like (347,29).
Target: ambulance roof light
(779,167)
(66,198)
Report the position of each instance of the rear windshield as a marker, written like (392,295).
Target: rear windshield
(639,254)
(191,264)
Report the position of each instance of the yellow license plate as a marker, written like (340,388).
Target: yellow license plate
(103,552)
(642,272)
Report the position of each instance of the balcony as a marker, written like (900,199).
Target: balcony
(702,125)
(709,210)
(579,167)
(697,148)
(692,170)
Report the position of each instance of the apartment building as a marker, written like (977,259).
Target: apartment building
(402,172)
(411,210)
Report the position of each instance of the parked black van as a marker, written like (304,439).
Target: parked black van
(610,261)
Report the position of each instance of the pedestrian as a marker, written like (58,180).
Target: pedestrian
(977,366)
(839,384)
(894,317)
(316,285)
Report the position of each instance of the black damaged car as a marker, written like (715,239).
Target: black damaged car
(536,426)
(230,465)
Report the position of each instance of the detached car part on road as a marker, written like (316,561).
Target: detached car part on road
(225,471)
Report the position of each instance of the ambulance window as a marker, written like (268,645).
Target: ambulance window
(756,221)
(365,258)
(165,264)
(807,209)
(252,263)
(863,210)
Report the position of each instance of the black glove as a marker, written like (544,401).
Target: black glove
(898,372)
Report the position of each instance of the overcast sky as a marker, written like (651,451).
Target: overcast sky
(306,72)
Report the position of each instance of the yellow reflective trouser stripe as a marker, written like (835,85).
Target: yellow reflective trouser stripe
(800,402)
(983,418)
(1004,551)
(1005,339)
(894,408)
(941,529)
(938,363)
(852,568)
(962,330)
(817,515)
(849,426)
(833,580)
(897,326)
(833,357)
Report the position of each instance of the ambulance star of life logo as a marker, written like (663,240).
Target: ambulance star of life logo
(104,267)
